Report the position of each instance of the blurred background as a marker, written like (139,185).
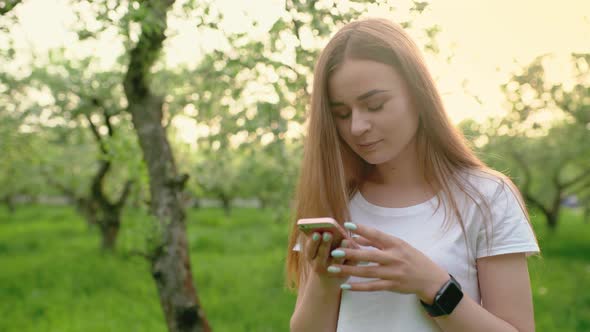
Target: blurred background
(111,110)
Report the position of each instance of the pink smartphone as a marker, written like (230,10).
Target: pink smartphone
(320,225)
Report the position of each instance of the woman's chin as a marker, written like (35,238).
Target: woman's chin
(374,160)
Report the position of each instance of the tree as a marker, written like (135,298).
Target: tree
(170,260)
(18,162)
(143,25)
(86,100)
(270,176)
(19,146)
(548,158)
(218,174)
(256,91)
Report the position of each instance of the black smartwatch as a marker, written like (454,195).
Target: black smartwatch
(445,300)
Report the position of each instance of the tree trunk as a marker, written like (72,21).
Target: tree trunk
(96,208)
(225,204)
(171,267)
(9,202)
(109,229)
(552,221)
(88,208)
(170,261)
(99,210)
(553,214)
(263,203)
(105,215)
(196,203)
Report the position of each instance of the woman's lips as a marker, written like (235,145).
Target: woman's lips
(369,146)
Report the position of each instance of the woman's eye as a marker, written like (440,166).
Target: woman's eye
(341,113)
(375,108)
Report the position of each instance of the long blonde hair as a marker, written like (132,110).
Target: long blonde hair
(331,173)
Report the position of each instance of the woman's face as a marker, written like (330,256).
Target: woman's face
(371,106)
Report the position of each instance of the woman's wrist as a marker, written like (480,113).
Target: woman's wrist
(326,282)
(433,286)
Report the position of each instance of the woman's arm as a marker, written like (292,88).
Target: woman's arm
(317,306)
(506,295)
(503,280)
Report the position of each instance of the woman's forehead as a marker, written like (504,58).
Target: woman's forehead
(353,78)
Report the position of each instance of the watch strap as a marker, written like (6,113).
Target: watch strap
(445,300)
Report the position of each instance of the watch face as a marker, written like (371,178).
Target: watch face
(450,298)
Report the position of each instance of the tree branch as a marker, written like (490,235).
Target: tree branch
(97,181)
(145,53)
(529,198)
(124,195)
(525,187)
(107,121)
(8,6)
(65,190)
(525,169)
(575,180)
(296,24)
(96,134)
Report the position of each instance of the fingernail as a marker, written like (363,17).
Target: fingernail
(327,237)
(333,269)
(345,286)
(338,253)
(315,236)
(344,243)
(350,226)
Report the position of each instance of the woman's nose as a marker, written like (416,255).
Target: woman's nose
(359,123)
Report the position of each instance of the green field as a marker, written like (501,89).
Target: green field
(53,278)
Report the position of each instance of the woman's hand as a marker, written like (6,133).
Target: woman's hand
(401,268)
(316,251)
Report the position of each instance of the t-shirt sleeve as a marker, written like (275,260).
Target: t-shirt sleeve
(510,232)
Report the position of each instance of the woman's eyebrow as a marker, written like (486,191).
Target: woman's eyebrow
(361,97)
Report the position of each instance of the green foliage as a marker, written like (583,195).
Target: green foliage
(19,146)
(529,92)
(7,5)
(20,158)
(258,86)
(219,173)
(548,159)
(81,98)
(55,278)
(257,90)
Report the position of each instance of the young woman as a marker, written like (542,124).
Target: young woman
(443,238)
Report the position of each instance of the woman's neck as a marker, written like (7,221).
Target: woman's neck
(402,172)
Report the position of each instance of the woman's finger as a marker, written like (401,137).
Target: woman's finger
(312,245)
(323,254)
(380,239)
(344,244)
(364,255)
(363,241)
(368,286)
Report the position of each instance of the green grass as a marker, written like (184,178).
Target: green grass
(560,279)
(53,277)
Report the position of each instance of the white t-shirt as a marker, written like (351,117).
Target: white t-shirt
(421,227)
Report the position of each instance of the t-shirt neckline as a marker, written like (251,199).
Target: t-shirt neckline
(362,202)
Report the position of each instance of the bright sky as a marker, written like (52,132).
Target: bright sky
(489,40)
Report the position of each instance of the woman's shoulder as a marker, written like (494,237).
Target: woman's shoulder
(487,182)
